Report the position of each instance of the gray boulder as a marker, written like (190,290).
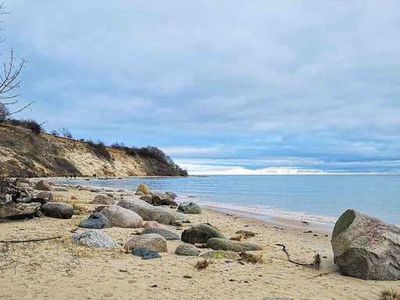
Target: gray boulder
(149,241)
(366,247)
(200,234)
(145,253)
(168,235)
(122,217)
(57,210)
(103,200)
(46,196)
(95,238)
(18,210)
(187,250)
(95,221)
(162,199)
(228,245)
(151,213)
(43,185)
(189,208)
(172,195)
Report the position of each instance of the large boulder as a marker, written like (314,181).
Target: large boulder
(57,210)
(228,245)
(18,210)
(122,217)
(149,241)
(143,189)
(95,238)
(187,250)
(168,235)
(366,247)
(200,234)
(151,213)
(189,208)
(95,221)
(103,200)
(43,185)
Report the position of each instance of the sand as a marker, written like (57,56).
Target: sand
(58,269)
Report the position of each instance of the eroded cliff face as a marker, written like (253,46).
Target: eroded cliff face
(23,153)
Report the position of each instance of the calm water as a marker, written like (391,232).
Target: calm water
(318,199)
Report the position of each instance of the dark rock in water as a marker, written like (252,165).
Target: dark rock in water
(95,238)
(228,245)
(43,185)
(145,253)
(172,195)
(57,210)
(189,208)
(187,250)
(200,234)
(150,241)
(18,210)
(366,247)
(168,235)
(221,254)
(162,199)
(45,197)
(95,221)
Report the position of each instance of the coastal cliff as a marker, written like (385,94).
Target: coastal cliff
(24,153)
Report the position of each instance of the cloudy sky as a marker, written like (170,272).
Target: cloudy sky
(244,87)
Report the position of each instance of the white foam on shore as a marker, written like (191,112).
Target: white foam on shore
(262,211)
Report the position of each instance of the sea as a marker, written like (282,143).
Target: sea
(318,199)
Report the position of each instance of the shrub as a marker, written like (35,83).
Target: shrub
(32,125)
(99,149)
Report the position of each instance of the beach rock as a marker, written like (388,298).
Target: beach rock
(228,245)
(187,250)
(122,217)
(200,234)
(168,235)
(246,233)
(366,247)
(172,195)
(61,189)
(95,238)
(162,199)
(57,210)
(18,210)
(143,189)
(145,253)
(221,254)
(189,208)
(152,224)
(45,196)
(103,200)
(147,198)
(95,190)
(95,221)
(150,241)
(43,185)
(151,213)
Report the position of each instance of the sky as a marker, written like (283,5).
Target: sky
(223,87)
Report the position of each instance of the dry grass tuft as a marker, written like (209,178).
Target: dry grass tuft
(202,264)
(251,258)
(390,295)
(80,208)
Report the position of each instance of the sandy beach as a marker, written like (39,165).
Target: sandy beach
(59,269)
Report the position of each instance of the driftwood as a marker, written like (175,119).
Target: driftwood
(316,264)
(29,240)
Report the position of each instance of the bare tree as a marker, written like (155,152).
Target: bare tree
(10,82)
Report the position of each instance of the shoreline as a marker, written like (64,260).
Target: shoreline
(59,269)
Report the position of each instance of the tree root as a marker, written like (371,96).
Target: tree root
(316,264)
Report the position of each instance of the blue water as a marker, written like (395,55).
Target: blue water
(313,198)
